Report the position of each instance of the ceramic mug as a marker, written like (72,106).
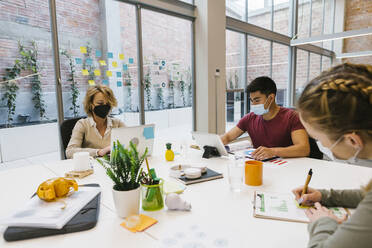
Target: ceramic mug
(253,172)
(81,161)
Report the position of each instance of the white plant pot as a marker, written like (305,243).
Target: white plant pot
(126,202)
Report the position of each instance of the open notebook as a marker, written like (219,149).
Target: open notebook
(282,206)
(38,213)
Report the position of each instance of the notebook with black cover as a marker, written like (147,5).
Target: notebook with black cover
(207,176)
(85,219)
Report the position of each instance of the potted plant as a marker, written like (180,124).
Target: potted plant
(124,169)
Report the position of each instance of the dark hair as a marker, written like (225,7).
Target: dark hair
(265,85)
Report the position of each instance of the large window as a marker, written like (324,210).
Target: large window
(235,77)
(167,69)
(27,87)
(280,72)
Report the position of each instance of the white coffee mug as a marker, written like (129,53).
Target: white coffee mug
(81,161)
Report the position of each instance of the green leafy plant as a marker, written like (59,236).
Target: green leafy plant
(189,86)
(160,97)
(29,58)
(10,89)
(73,84)
(171,94)
(182,89)
(236,77)
(128,84)
(86,66)
(124,166)
(147,87)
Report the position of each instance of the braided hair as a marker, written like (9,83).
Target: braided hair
(339,101)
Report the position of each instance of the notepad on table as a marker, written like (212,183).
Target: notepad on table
(282,206)
(207,176)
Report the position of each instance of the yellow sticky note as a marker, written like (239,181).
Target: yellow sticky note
(300,206)
(143,222)
(121,56)
(109,73)
(102,62)
(114,64)
(85,72)
(97,72)
(83,49)
(91,82)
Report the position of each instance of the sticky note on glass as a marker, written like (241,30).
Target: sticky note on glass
(85,72)
(119,83)
(83,49)
(125,67)
(78,61)
(118,74)
(114,64)
(110,55)
(109,73)
(131,60)
(102,62)
(121,56)
(148,132)
(98,53)
(89,61)
(105,82)
(97,72)
(138,223)
(91,82)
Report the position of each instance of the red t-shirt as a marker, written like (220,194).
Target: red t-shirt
(272,133)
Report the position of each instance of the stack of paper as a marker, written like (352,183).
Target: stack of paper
(38,213)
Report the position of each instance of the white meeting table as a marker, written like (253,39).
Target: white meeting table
(215,209)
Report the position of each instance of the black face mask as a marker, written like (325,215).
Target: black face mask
(102,110)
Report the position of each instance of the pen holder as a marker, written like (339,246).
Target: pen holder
(152,196)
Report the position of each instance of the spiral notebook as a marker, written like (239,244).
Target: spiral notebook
(283,206)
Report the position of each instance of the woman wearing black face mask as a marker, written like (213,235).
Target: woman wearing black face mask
(93,134)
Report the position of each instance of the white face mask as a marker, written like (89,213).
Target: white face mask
(329,153)
(259,109)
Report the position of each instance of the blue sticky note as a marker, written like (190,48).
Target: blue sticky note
(78,61)
(131,60)
(89,61)
(148,132)
(105,82)
(125,67)
(98,53)
(119,83)
(118,74)
(110,55)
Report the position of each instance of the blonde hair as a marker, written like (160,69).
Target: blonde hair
(92,91)
(339,101)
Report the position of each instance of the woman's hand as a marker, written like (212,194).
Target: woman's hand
(309,198)
(102,152)
(319,212)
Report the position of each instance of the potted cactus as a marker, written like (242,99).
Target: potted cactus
(124,169)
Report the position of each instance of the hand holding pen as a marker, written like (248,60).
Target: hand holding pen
(307,196)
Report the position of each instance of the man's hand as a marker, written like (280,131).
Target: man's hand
(262,153)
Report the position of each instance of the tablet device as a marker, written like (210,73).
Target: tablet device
(209,139)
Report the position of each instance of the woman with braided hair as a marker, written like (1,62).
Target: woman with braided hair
(336,109)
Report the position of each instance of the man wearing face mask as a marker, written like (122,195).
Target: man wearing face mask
(93,134)
(274,130)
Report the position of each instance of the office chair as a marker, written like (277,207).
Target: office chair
(66,131)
